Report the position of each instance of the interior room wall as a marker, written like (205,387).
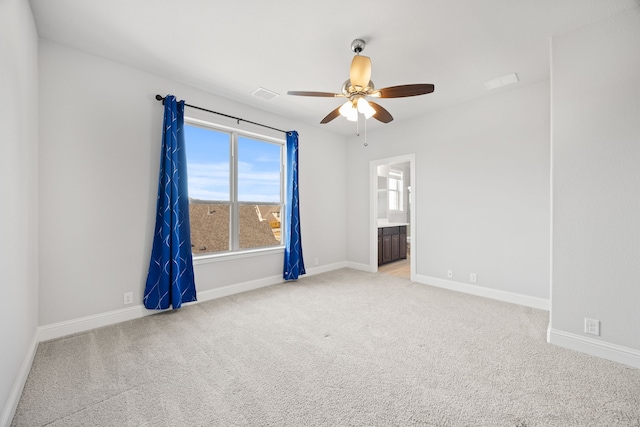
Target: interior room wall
(596,184)
(481,192)
(19,195)
(100,137)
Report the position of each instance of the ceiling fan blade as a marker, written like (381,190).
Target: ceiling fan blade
(332,115)
(381,114)
(403,91)
(360,72)
(307,93)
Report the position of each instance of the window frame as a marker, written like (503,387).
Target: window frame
(399,193)
(234,251)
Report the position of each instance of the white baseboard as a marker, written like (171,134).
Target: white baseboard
(237,288)
(82,324)
(261,283)
(11,405)
(73,326)
(512,297)
(595,347)
(359,266)
(325,268)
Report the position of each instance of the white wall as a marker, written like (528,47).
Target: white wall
(481,191)
(100,140)
(596,183)
(19,195)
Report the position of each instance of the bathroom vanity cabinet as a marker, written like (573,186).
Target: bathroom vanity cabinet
(392,243)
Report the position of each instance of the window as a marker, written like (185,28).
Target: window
(395,190)
(235,189)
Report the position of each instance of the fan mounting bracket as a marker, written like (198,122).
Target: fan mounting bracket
(358,46)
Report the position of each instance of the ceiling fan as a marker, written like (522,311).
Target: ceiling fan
(359,86)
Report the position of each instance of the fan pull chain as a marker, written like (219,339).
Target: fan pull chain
(366,144)
(365,133)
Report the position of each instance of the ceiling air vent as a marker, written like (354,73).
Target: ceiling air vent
(501,81)
(265,94)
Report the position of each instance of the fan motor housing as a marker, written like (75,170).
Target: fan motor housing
(348,89)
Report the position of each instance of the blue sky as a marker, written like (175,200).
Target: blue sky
(208,167)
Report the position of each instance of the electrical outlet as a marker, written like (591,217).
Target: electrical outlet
(449,274)
(592,326)
(473,278)
(128,298)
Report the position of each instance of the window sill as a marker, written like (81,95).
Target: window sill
(226,256)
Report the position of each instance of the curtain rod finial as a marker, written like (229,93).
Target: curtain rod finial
(159,97)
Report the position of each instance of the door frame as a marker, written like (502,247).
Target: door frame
(373,209)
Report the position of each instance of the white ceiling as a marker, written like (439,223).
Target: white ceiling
(232,47)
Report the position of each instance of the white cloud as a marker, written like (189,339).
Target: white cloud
(210,181)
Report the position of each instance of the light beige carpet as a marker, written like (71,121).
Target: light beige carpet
(344,348)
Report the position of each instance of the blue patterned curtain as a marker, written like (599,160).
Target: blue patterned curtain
(293,262)
(170,280)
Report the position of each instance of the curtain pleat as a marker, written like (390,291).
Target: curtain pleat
(171,280)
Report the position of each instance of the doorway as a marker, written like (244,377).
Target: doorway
(392,210)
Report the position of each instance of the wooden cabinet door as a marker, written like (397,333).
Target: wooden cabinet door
(379,249)
(386,249)
(403,246)
(395,247)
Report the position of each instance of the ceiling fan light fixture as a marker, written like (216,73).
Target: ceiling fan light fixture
(360,72)
(345,108)
(349,111)
(365,108)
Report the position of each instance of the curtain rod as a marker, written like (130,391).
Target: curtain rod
(161,98)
